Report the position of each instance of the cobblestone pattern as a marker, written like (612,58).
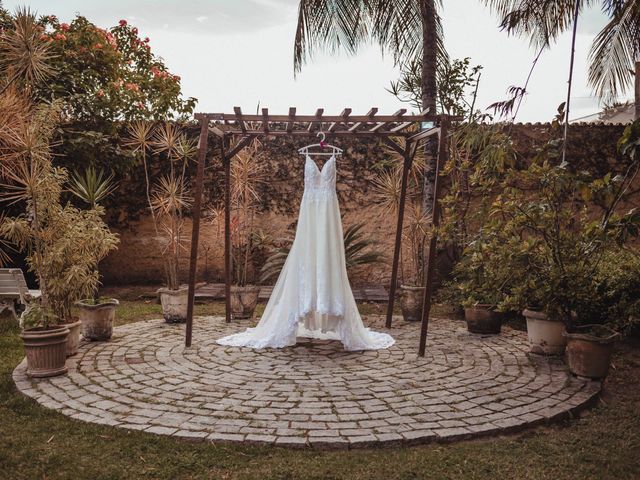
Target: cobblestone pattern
(314,394)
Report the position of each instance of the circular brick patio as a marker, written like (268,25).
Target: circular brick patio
(314,393)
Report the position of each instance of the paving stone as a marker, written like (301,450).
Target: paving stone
(313,394)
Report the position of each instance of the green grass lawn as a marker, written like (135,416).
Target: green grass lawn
(38,443)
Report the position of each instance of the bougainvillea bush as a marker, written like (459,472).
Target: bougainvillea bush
(109,75)
(104,78)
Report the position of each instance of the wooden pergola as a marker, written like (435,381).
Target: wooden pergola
(243,128)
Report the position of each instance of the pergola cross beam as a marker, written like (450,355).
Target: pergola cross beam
(383,127)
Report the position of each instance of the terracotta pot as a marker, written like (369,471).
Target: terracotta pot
(97,320)
(589,355)
(46,350)
(482,318)
(546,336)
(411,300)
(174,304)
(244,300)
(73,340)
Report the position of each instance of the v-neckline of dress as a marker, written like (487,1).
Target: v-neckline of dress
(320,170)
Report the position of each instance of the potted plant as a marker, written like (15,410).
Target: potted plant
(63,244)
(614,308)
(96,314)
(246,174)
(555,224)
(45,342)
(168,199)
(481,285)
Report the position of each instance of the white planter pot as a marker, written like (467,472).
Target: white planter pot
(545,336)
(97,319)
(174,304)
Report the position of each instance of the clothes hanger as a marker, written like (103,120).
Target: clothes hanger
(334,150)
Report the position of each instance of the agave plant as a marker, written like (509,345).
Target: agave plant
(357,250)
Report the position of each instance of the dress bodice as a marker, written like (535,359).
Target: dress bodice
(319,184)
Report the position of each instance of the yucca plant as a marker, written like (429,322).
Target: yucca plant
(358,250)
(92,186)
(170,198)
(246,174)
(24,56)
(386,193)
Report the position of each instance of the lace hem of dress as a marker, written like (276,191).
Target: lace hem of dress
(376,340)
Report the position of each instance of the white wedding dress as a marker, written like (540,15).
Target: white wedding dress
(312,297)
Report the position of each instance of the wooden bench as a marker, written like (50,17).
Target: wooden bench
(14,293)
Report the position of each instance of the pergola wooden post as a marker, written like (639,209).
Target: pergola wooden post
(443,151)
(227,126)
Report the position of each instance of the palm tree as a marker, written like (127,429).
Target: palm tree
(614,50)
(407,29)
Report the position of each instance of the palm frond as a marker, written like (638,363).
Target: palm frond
(540,20)
(613,52)
(332,25)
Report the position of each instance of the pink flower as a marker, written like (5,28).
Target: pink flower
(135,30)
(44,37)
(64,27)
(60,36)
(140,105)
(132,86)
(146,40)
(99,94)
(122,23)
(98,46)
(176,78)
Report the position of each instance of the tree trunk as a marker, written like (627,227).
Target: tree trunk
(637,97)
(429,92)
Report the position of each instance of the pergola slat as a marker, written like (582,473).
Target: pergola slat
(319,113)
(292,116)
(238,112)
(265,120)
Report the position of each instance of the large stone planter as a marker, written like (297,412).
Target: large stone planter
(588,353)
(546,336)
(97,319)
(244,300)
(46,350)
(411,300)
(174,304)
(482,318)
(73,340)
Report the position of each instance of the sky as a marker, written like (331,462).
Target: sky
(240,53)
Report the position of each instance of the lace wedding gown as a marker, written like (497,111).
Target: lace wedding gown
(312,297)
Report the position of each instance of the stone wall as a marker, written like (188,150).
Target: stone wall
(138,258)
